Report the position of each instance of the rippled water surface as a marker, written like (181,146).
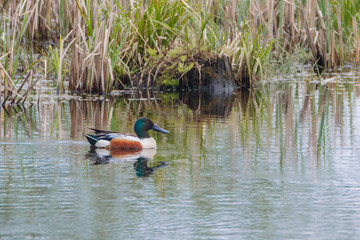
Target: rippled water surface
(279,162)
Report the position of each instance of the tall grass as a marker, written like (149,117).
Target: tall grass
(17,58)
(322,26)
(98,46)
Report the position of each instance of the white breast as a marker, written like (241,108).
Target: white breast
(148,142)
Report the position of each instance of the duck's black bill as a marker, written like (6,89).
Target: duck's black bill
(159,129)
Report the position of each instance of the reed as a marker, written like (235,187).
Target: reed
(18,61)
(12,93)
(249,55)
(59,62)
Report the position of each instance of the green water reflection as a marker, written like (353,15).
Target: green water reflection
(280,161)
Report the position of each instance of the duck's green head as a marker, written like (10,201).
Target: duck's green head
(142,125)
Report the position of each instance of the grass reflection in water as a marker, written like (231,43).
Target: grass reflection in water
(289,120)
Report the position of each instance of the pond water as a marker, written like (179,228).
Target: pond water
(279,162)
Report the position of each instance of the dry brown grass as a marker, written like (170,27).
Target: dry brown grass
(305,25)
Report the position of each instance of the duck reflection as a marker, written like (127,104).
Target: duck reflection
(143,165)
(142,168)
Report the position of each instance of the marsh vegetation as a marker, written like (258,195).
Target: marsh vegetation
(89,46)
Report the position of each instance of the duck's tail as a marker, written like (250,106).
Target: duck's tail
(98,131)
(92,139)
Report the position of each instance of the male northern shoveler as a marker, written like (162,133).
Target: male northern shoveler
(111,140)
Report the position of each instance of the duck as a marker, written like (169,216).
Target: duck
(113,140)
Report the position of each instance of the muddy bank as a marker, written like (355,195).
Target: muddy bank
(210,74)
(215,76)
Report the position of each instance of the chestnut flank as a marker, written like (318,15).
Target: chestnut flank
(120,143)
